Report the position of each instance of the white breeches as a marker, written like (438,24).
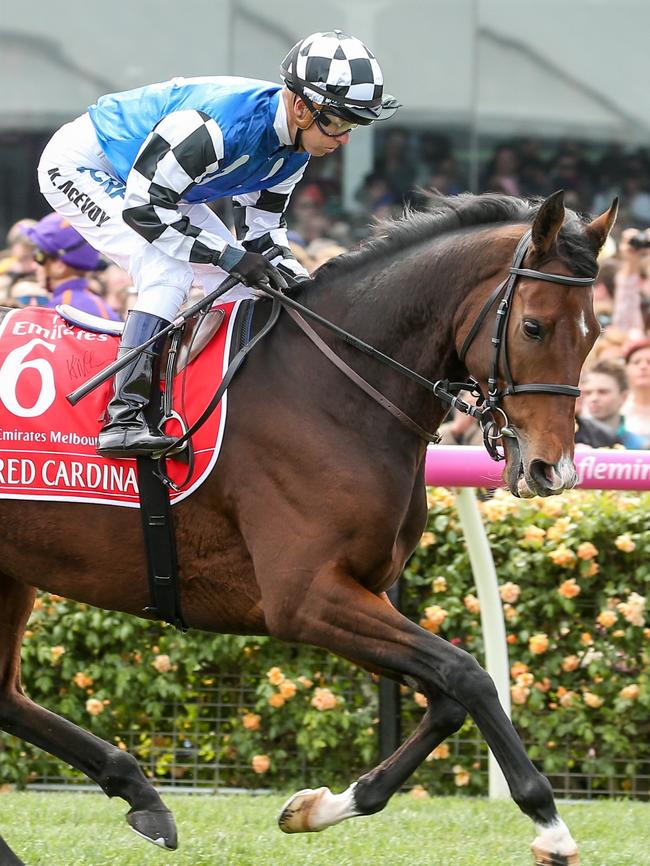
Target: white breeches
(79,183)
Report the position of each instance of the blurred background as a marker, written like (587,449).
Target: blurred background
(516,97)
(497,94)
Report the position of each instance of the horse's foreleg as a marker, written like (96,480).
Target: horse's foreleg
(7,856)
(116,772)
(338,614)
(311,810)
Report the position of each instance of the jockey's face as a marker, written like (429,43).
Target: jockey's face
(312,139)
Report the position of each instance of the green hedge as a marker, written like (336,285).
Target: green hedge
(573,572)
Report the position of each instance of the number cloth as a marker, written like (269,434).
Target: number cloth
(47,446)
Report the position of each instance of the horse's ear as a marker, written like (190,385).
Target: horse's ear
(547,225)
(598,229)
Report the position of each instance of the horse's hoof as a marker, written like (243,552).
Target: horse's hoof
(297,814)
(157,827)
(312,810)
(548,858)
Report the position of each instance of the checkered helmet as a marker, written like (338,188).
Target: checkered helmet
(337,71)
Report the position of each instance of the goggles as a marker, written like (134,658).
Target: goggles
(40,257)
(332,125)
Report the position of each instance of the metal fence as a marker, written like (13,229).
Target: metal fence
(188,768)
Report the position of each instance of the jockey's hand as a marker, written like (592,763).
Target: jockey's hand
(251,269)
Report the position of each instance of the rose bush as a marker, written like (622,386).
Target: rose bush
(574,579)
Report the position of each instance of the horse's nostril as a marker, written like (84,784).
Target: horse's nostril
(543,473)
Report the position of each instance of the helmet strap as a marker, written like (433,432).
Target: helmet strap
(303,124)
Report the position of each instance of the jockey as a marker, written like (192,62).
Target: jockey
(63,259)
(134,173)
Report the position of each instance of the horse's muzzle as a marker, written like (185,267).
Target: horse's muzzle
(527,477)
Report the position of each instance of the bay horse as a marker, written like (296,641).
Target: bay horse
(318,497)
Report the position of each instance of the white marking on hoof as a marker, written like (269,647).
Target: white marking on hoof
(555,845)
(159,841)
(312,810)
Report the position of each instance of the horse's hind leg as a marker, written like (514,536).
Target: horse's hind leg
(116,772)
(311,810)
(338,614)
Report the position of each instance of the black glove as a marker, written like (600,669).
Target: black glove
(251,269)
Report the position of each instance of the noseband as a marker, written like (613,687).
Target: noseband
(488,411)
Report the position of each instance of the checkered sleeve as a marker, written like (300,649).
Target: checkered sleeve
(181,149)
(260,223)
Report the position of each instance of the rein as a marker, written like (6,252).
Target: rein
(488,407)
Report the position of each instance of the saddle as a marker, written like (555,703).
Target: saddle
(197,331)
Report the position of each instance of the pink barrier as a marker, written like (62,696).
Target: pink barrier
(464,466)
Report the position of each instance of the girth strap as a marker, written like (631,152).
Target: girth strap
(359,381)
(160,545)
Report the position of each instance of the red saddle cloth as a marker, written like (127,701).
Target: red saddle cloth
(47,446)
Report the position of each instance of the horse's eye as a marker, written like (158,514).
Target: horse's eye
(532,329)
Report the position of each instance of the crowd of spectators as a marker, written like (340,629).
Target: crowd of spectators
(615,407)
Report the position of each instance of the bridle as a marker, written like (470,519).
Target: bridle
(488,407)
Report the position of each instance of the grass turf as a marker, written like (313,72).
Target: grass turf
(55,829)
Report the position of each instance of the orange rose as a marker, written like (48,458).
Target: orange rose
(559,529)
(569,588)
(162,664)
(525,679)
(261,763)
(586,550)
(275,676)
(624,542)
(510,592)
(538,643)
(418,792)
(563,556)
(461,776)
(420,700)
(519,694)
(276,700)
(631,692)
(439,584)
(592,700)
(570,663)
(324,699)
(56,652)
(433,618)
(517,669)
(251,721)
(606,618)
(82,680)
(287,689)
(94,706)
(472,604)
(534,534)
(566,699)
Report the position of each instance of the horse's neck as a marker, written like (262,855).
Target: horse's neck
(409,310)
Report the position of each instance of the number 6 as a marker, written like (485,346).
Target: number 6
(10,371)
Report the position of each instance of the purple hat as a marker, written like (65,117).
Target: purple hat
(55,236)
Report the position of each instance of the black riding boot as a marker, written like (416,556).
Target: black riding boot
(127,433)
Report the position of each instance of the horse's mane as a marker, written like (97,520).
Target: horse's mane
(446,214)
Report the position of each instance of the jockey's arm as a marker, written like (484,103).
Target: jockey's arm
(260,224)
(180,151)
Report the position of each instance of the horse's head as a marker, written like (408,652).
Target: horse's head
(548,328)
